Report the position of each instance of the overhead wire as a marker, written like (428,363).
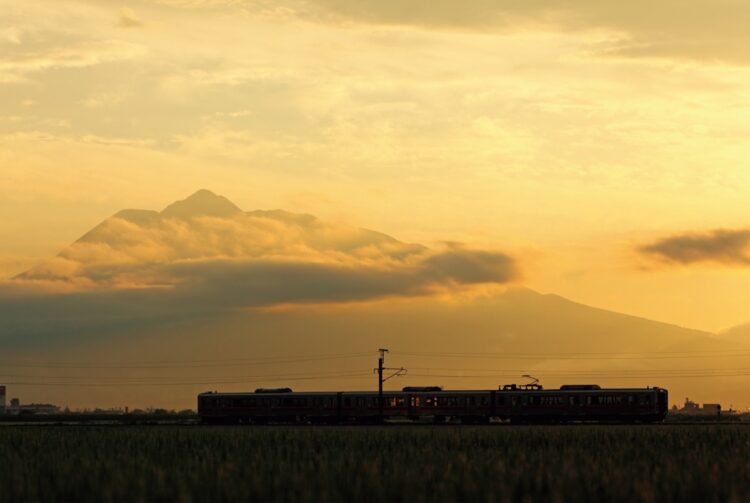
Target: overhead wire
(358,375)
(427,372)
(571,356)
(234,362)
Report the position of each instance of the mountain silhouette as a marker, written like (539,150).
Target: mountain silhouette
(203,277)
(203,203)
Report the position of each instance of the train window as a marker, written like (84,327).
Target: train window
(430,401)
(415,401)
(500,399)
(571,400)
(470,400)
(588,400)
(400,401)
(347,402)
(514,400)
(443,401)
(524,400)
(631,399)
(484,401)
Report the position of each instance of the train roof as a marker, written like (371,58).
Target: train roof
(444,391)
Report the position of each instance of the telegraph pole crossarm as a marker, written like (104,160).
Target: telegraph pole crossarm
(381,367)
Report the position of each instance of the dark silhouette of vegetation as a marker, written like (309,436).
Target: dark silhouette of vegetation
(543,463)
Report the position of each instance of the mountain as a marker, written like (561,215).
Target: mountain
(739,334)
(205,280)
(207,226)
(203,203)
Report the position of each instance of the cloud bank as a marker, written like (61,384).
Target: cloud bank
(706,30)
(728,247)
(698,30)
(204,256)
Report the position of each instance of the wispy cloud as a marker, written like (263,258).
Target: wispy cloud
(128,19)
(728,247)
(73,55)
(699,30)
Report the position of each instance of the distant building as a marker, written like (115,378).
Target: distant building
(33,408)
(708,409)
(690,407)
(711,408)
(40,408)
(2,399)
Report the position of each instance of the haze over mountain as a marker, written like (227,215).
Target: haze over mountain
(205,280)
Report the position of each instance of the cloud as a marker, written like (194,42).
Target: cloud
(72,55)
(128,19)
(699,29)
(34,311)
(141,268)
(728,247)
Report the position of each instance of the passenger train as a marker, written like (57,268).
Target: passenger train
(509,403)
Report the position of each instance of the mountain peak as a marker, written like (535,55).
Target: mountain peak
(203,203)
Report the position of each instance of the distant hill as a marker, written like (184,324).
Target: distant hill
(739,334)
(205,280)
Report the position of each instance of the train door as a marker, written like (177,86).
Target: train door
(663,403)
(413,406)
(516,407)
(632,405)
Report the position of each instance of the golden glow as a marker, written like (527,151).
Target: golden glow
(566,138)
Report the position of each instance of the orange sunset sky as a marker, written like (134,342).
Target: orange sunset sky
(594,150)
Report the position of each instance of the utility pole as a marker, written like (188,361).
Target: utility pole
(381,361)
(398,372)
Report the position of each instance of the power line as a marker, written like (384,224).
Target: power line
(491,371)
(359,375)
(152,378)
(574,352)
(581,371)
(553,356)
(274,360)
(624,376)
(182,364)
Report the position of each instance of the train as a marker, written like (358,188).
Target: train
(509,403)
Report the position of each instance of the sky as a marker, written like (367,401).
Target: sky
(595,150)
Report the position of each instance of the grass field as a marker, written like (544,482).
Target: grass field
(413,463)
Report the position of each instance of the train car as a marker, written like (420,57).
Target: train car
(510,403)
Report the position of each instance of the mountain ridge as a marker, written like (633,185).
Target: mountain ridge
(202,203)
(307,232)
